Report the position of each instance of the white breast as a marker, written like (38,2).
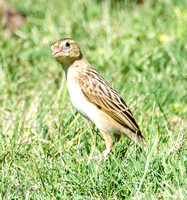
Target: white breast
(83,106)
(87,109)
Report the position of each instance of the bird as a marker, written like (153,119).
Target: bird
(94,98)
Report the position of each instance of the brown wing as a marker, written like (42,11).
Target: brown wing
(99,92)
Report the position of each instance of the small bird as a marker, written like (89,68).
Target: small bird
(94,98)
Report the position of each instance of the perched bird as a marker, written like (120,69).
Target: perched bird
(94,98)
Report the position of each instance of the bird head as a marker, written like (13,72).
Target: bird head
(66,51)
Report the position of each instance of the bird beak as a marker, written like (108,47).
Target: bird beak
(57,52)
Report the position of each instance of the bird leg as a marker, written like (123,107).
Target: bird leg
(116,137)
(108,142)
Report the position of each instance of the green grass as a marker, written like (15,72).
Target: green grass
(141,50)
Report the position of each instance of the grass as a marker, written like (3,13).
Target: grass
(141,51)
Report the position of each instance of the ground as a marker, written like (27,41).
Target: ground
(141,50)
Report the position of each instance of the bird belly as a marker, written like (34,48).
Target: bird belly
(82,105)
(92,112)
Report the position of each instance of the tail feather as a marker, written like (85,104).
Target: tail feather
(136,137)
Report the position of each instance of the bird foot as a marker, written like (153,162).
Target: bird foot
(103,156)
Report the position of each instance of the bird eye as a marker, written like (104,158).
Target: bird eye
(66,46)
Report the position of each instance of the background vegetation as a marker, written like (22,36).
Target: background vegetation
(141,50)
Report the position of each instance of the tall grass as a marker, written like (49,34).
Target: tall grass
(141,51)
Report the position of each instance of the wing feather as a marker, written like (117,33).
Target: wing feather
(99,92)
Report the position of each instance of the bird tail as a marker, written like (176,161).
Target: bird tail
(136,137)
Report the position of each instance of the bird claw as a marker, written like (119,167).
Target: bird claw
(102,156)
